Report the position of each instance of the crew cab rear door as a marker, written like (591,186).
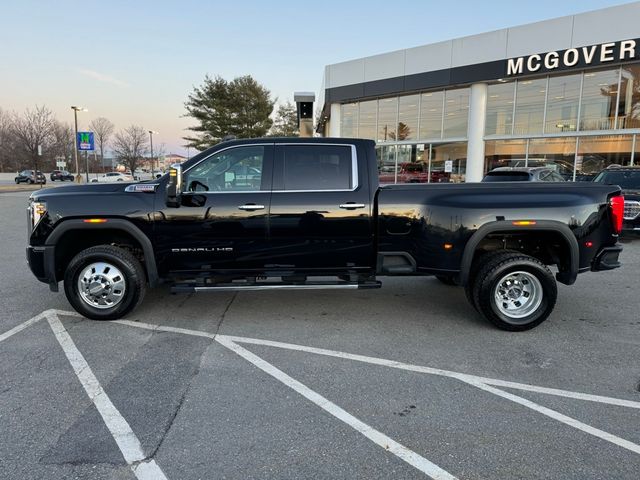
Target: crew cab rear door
(321,213)
(221,224)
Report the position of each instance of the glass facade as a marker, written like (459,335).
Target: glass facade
(422,163)
(431,115)
(577,124)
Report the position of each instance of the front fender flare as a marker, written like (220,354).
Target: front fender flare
(111,224)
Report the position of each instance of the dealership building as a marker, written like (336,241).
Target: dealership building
(563,93)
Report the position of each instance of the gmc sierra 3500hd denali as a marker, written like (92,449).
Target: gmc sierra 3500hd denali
(279,213)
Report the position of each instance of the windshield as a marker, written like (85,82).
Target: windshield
(625,179)
(506,177)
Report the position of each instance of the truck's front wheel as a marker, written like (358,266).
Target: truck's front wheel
(104,282)
(514,291)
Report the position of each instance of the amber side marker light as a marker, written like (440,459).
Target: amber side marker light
(448,246)
(94,220)
(523,223)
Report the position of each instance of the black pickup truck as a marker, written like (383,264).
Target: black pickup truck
(309,213)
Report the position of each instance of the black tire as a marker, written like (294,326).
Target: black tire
(447,280)
(17,181)
(495,267)
(473,274)
(30,181)
(132,271)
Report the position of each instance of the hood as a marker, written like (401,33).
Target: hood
(115,187)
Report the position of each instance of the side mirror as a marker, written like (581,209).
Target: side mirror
(174,187)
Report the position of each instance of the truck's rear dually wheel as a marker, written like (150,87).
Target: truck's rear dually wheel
(514,291)
(104,282)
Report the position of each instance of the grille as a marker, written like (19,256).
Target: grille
(631,209)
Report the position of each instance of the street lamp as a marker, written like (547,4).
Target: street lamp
(151,132)
(75,140)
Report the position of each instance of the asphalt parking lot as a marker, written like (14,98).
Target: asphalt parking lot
(403,382)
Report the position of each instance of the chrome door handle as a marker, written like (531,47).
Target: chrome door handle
(351,205)
(251,206)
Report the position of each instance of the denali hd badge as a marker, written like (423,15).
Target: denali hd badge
(622,51)
(201,249)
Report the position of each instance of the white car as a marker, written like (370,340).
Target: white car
(113,177)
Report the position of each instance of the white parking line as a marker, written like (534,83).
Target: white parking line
(437,371)
(377,437)
(22,326)
(619,402)
(31,321)
(120,430)
(572,422)
(482,383)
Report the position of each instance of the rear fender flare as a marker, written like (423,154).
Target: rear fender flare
(568,277)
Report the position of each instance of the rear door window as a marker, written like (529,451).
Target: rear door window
(318,167)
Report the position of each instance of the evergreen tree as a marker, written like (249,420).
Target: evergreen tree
(286,122)
(241,108)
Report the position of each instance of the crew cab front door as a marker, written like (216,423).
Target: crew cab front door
(222,222)
(320,218)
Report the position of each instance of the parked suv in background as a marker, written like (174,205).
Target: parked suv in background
(61,175)
(523,174)
(627,178)
(28,176)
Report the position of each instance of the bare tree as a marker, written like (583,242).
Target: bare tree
(32,130)
(62,141)
(102,129)
(6,142)
(130,145)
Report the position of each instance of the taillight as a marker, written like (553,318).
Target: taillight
(617,212)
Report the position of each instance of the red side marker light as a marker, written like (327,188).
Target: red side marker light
(94,220)
(523,223)
(588,244)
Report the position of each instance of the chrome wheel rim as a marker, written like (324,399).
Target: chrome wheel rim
(101,285)
(518,294)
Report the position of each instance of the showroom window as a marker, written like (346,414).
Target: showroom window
(500,109)
(349,120)
(367,119)
(431,115)
(599,95)
(562,104)
(530,100)
(556,153)
(408,117)
(629,105)
(422,163)
(505,153)
(456,113)
(387,118)
(598,152)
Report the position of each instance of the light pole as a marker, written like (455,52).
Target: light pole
(75,140)
(151,132)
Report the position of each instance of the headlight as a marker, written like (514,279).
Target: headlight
(37,210)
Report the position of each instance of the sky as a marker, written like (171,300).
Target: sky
(135,62)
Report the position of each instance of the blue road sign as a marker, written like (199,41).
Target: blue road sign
(85,141)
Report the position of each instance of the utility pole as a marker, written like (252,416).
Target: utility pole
(151,132)
(75,140)
(86,164)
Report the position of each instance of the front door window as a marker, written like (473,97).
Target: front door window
(234,170)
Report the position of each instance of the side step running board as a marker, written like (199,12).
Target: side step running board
(274,286)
